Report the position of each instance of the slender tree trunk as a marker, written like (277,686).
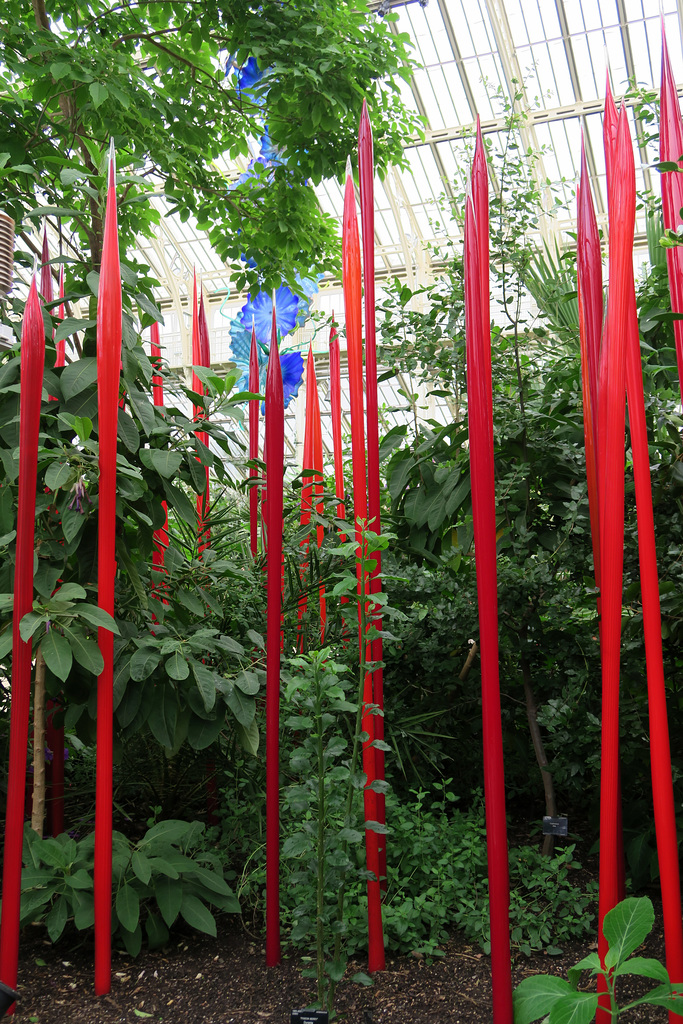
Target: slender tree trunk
(38,809)
(539,750)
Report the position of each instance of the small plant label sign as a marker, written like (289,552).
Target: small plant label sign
(554,826)
(310,1017)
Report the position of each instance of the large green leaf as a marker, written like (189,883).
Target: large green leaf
(181,503)
(202,733)
(575,1008)
(57,653)
(85,651)
(177,666)
(79,375)
(128,907)
(142,407)
(163,714)
(535,997)
(143,662)
(206,684)
(97,617)
(165,461)
(169,897)
(626,926)
(127,431)
(57,474)
(141,866)
(242,706)
(56,920)
(197,915)
(157,932)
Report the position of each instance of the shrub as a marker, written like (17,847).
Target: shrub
(164,876)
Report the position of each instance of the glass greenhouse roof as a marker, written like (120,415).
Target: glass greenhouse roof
(547,57)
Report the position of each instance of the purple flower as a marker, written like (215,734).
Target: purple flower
(80,493)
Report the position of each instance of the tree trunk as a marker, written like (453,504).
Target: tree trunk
(539,750)
(38,809)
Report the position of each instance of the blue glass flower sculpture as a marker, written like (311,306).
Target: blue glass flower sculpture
(260,310)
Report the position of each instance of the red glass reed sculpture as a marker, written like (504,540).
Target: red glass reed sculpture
(479,404)
(60,347)
(589,287)
(275,460)
(204,354)
(312,489)
(108,363)
(32,365)
(610,130)
(354,348)
(335,411)
(160,535)
(660,756)
(670,151)
(46,289)
(367,209)
(253,443)
(611,417)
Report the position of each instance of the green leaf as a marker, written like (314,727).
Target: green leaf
(247,682)
(80,374)
(177,667)
(169,897)
(626,926)
(59,70)
(97,616)
(69,326)
(157,932)
(99,94)
(248,737)
(127,431)
(335,969)
(589,963)
(296,845)
(163,460)
(171,830)
(85,651)
(644,967)
(242,706)
(574,1008)
(197,915)
(141,866)
(181,503)
(669,996)
(56,920)
(57,653)
(202,732)
(132,940)
(57,474)
(128,907)
(143,662)
(535,997)
(163,715)
(84,910)
(206,684)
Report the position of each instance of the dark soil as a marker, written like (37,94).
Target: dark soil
(225,981)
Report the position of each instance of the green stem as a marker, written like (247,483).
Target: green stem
(321,841)
(354,763)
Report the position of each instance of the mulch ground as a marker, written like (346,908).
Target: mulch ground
(225,981)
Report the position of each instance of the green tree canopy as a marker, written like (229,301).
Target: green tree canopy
(152,75)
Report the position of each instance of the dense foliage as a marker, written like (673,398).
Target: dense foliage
(163,80)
